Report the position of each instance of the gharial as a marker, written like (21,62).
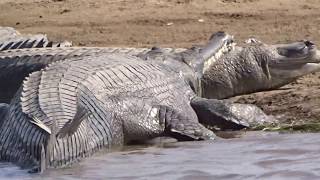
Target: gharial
(17,63)
(65,110)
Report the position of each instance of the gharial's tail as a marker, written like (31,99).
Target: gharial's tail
(3,112)
(12,39)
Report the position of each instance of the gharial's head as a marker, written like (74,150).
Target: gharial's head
(288,62)
(259,67)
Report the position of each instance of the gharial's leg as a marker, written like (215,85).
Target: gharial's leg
(144,121)
(225,115)
(182,127)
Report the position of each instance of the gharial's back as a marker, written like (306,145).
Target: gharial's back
(73,108)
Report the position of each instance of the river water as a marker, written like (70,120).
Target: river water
(253,156)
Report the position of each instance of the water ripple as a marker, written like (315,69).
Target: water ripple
(254,156)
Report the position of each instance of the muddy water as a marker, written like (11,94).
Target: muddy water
(254,156)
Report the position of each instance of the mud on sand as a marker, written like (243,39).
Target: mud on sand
(182,23)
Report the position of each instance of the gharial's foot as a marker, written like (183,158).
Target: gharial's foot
(183,128)
(188,130)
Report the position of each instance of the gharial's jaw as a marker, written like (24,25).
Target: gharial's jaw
(291,61)
(281,77)
(295,53)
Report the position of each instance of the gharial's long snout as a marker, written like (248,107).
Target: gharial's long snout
(293,60)
(296,53)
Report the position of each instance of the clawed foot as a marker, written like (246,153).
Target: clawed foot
(182,128)
(186,130)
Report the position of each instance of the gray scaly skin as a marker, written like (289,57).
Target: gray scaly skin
(73,108)
(16,64)
(12,39)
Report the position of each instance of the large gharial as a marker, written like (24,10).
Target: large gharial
(74,107)
(26,61)
(236,66)
(244,70)
(16,64)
